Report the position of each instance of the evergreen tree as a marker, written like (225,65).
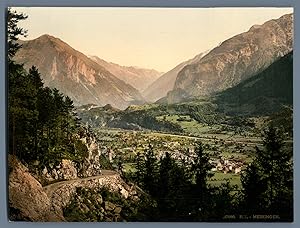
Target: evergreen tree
(273,173)
(150,172)
(14,32)
(173,190)
(201,168)
(253,188)
(140,169)
(165,175)
(42,125)
(201,190)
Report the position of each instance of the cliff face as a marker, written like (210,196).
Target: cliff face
(165,83)
(237,58)
(74,74)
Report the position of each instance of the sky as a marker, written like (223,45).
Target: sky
(155,38)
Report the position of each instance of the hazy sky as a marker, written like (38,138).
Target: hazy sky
(158,38)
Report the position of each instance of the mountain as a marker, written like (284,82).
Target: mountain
(268,94)
(265,93)
(76,75)
(235,59)
(139,78)
(160,87)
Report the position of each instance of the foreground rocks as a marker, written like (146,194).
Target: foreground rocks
(61,194)
(27,199)
(91,205)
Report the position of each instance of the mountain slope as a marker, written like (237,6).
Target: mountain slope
(263,93)
(160,87)
(267,94)
(75,74)
(139,78)
(236,59)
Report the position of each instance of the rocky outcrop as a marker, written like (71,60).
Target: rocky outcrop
(236,59)
(68,170)
(27,199)
(91,205)
(61,194)
(74,74)
(65,170)
(91,165)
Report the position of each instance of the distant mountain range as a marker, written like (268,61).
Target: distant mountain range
(139,78)
(76,75)
(96,81)
(165,83)
(267,94)
(235,60)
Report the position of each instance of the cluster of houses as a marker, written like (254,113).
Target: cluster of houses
(227,165)
(221,164)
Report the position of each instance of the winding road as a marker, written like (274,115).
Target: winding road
(49,189)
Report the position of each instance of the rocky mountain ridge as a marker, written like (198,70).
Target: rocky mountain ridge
(165,83)
(139,78)
(74,74)
(235,59)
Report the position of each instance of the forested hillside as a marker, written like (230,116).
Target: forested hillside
(42,126)
(264,93)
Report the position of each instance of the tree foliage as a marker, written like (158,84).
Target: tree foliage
(42,125)
(14,32)
(268,181)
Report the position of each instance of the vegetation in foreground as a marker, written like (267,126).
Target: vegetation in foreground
(42,127)
(180,190)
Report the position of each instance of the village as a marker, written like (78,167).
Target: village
(122,147)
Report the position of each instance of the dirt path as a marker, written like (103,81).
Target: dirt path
(49,189)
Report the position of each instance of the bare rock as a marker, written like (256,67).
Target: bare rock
(118,210)
(108,206)
(26,195)
(84,208)
(68,170)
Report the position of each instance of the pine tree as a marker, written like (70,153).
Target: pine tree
(253,188)
(14,32)
(201,190)
(42,125)
(165,175)
(271,177)
(140,169)
(150,172)
(173,186)
(201,168)
(15,75)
